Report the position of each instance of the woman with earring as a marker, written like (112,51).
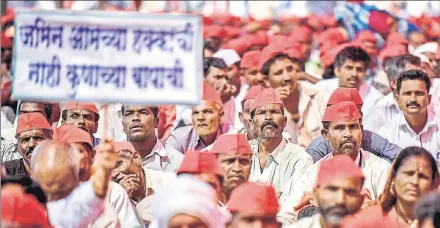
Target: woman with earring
(414,173)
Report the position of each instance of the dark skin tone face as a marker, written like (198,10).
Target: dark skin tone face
(345,137)
(129,174)
(138,122)
(28,140)
(282,74)
(237,170)
(86,160)
(413,97)
(255,220)
(245,118)
(82,118)
(339,198)
(253,77)
(351,74)
(269,120)
(186,221)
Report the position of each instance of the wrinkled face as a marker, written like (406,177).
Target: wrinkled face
(129,174)
(86,159)
(216,77)
(269,121)
(245,118)
(253,77)
(82,118)
(206,118)
(28,140)
(338,199)
(138,122)
(58,183)
(413,97)
(237,169)
(126,164)
(351,74)
(254,220)
(213,180)
(416,39)
(29,107)
(413,180)
(345,137)
(186,221)
(282,74)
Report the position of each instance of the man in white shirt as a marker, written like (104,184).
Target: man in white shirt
(350,68)
(386,108)
(139,122)
(343,129)
(275,161)
(416,125)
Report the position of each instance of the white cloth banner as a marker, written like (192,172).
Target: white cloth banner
(108,57)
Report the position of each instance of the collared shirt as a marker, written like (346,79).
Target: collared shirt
(311,108)
(398,131)
(370,95)
(384,110)
(375,170)
(186,138)
(308,222)
(162,158)
(287,161)
(78,209)
(371,141)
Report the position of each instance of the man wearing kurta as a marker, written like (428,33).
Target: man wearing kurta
(337,193)
(304,104)
(343,129)
(275,160)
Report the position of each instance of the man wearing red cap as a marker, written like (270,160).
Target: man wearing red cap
(350,68)
(32,129)
(387,107)
(207,124)
(304,104)
(234,155)
(275,160)
(254,205)
(337,193)
(82,115)
(139,123)
(343,129)
(370,141)
(245,114)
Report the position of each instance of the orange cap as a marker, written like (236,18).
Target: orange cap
(232,143)
(250,59)
(71,134)
(197,162)
(31,121)
(210,94)
(342,111)
(253,198)
(78,105)
(267,96)
(345,94)
(339,167)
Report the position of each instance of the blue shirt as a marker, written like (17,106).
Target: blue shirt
(371,142)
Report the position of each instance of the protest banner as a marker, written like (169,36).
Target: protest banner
(107,57)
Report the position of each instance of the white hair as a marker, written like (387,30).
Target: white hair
(72,157)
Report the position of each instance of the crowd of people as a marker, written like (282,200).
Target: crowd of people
(299,125)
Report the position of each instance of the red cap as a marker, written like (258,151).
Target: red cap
(396,38)
(392,51)
(227,19)
(210,94)
(339,167)
(250,59)
(22,209)
(118,146)
(253,92)
(232,143)
(31,121)
(329,20)
(71,134)
(294,51)
(301,33)
(232,31)
(197,162)
(214,31)
(278,39)
(207,21)
(267,96)
(327,46)
(257,39)
(366,36)
(253,198)
(240,45)
(334,34)
(345,94)
(6,42)
(269,52)
(342,111)
(378,21)
(8,17)
(77,105)
(329,57)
